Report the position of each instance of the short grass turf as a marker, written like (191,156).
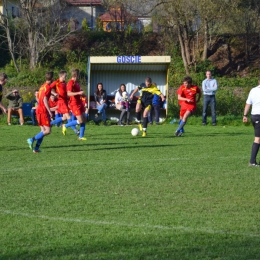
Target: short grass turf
(116,196)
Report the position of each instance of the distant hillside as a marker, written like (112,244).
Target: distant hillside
(229,55)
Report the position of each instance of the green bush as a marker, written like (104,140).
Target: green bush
(230,101)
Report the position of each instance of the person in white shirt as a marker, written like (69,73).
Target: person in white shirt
(121,96)
(254,101)
(209,88)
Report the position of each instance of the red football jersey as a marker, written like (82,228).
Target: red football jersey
(60,88)
(73,86)
(44,91)
(52,103)
(189,93)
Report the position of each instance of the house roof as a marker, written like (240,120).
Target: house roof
(84,2)
(117,15)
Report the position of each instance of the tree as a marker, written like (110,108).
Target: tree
(40,26)
(192,20)
(43,27)
(11,36)
(246,21)
(85,27)
(179,17)
(213,14)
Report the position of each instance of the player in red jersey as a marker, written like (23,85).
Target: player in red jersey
(43,113)
(85,103)
(76,105)
(60,88)
(188,96)
(53,104)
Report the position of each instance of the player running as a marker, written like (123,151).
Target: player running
(76,105)
(61,89)
(43,113)
(187,96)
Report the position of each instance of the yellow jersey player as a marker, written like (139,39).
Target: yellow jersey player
(145,102)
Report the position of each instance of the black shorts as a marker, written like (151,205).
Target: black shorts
(146,104)
(256,124)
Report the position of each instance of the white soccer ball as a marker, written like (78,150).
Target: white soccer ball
(135,132)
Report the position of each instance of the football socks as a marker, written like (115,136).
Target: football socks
(71,124)
(145,121)
(38,136)
(82,130)
(38,143)
(255,148)
(56,121)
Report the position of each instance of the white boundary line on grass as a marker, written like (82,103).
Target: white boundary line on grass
(112,223)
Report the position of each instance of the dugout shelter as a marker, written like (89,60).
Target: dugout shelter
(113,71)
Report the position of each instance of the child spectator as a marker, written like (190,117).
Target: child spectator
(119,102)
(125,101)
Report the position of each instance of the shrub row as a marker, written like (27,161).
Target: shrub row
(230,101)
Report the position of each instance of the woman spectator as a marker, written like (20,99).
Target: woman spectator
(118,101)
(101,99)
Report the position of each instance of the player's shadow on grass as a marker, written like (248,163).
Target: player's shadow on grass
(201,134)
(135,244)
(134,138)
(128,147)
(112,146)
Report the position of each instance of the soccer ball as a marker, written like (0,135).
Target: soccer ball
(135,132)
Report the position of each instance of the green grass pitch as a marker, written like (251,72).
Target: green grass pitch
(122,197)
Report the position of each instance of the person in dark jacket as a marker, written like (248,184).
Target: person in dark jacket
(34,104)
(156,104)
(15,106)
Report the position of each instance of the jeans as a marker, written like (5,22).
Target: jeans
(122,116)
(33,115)
(209,99)
(156,109)
(102,110)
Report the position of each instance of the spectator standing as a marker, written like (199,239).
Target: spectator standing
(15,106)
(3,80)
(209,88)
(34,104)
(100,96)
(254,101)
(118,102)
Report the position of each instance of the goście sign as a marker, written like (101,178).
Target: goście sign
(128,59)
